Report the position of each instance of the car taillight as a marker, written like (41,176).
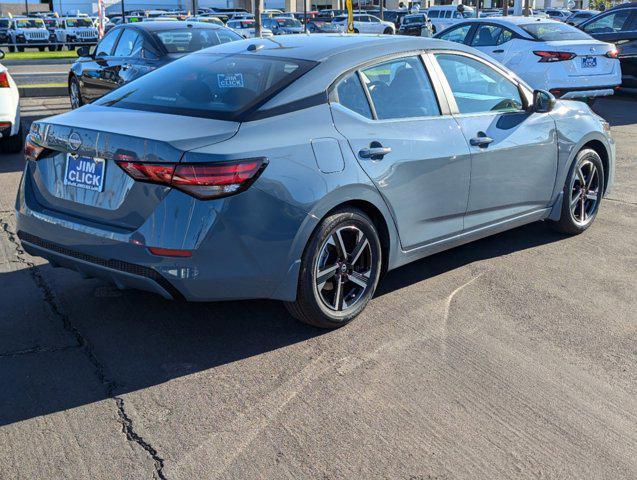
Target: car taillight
(201,180)
(4,80)
(548,57)
(32,151)
(614,53)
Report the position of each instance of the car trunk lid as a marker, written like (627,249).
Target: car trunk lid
(590,57)
(116,199)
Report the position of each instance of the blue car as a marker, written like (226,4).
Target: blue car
(302,168)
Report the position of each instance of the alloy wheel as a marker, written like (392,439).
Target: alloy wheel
(343,269)
(75,95)
(584,193)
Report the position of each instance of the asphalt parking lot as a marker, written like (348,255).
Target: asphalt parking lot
(512,357)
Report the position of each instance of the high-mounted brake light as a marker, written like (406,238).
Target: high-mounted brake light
(4,80)
(201,180)
(614,53)
(549,57)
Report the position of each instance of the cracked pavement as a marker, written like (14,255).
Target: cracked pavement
(512,357)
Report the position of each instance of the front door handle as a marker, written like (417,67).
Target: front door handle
(481,140)
(498,51)
(375,151)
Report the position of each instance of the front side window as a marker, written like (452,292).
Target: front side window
(126,43)
(105,47)
(448,14)
(478,88)
(458,34)
(208,85)
(351,95)
(401,89)
(610,23)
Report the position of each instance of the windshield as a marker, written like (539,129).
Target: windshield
(209,85)
(30,23)
(78,22)
(410,20)
(549,32)
(188,40)
(288,22)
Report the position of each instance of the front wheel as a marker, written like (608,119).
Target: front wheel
(75,93)
(582,193)
(388,31)
(339,270)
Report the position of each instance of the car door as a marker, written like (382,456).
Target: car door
(91,77)
(513,150)
(494,40)
(618,27)
(115,72)
(407,143)
(374,24)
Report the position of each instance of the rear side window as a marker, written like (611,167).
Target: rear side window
(609,23)
(478,88)
(187,40)
(351,95)
(209,85)
(458,34)
(401,89)
(129,41)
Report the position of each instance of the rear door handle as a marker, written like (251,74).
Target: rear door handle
(374,152)
(498,51)
(481,140)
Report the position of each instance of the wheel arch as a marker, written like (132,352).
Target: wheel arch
(601,150)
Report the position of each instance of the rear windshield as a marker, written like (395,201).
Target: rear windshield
(549,32)
(209,85)
(188,40)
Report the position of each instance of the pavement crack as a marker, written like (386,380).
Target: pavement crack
(82,343)
(619,201)
(36,349)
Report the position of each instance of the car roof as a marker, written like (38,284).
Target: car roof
(159,26)
(511,20)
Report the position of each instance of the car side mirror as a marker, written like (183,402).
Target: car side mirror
(1,54)
(84,51)
(543,101)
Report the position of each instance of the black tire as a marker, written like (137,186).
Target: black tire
(52,48)
(74,83)
(60,47)
(20,49)
(356,30)
(311,306)
(12,144)
(71,47)
(577,217)
(11,49)
(41,49)
(388,31)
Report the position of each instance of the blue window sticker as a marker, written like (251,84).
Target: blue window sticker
(230,80)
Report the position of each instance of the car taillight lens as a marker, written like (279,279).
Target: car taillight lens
(614,53)
(32,151)
(201,180)
(548,57)
(4,80)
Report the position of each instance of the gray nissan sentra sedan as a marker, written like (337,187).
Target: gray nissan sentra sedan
(301,168)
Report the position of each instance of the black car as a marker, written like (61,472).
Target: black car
(321,26)
(129,51)
(618,25)
(394,16)
(413,24)
(283,25)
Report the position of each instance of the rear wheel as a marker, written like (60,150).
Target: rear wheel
(582,195)
(75,93)
(388,31)
(339,270)
(20,49)
(11,49)
(356,30)
(41,49)
(12,144)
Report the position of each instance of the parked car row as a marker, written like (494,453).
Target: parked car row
(18,33)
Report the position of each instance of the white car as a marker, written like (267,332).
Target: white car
(76,31)
(246,28)
(10,128)
(28,32)
(445,16)
(364,23)
(547,54)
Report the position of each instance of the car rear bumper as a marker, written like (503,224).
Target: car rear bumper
(240,246)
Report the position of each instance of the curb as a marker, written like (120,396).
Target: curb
(28,92)
(34,62)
